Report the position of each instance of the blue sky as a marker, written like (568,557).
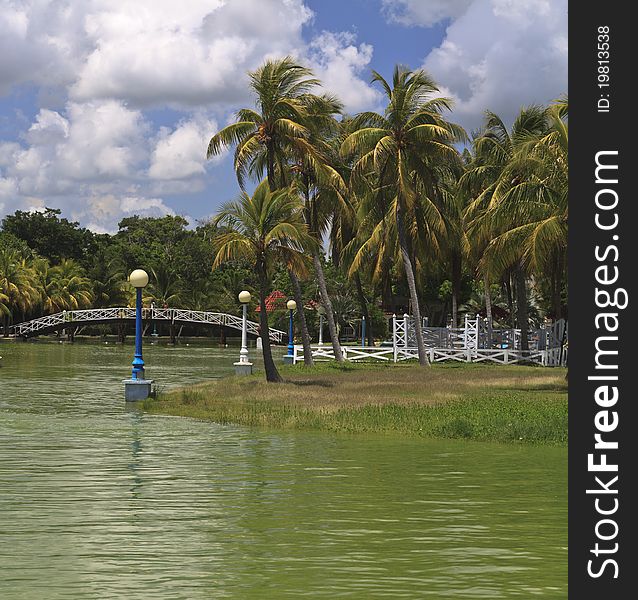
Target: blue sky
(106,107)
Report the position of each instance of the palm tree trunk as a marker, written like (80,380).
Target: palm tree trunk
(305,336)
(325,300)
(488,308)
(364,308)
(456,289)
(270,170)
(557,284)
(521,307)
(272,375)
(409,275)
(510,299)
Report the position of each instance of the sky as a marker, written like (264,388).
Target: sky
(107,106)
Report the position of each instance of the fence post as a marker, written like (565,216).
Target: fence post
(506,355)
(431,351)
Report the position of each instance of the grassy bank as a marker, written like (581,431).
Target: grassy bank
(482,402)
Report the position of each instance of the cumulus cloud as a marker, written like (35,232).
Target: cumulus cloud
(150,52)
(339,63)
(423,13)
(92,159)
(501,55)
(100,67)
(181,153)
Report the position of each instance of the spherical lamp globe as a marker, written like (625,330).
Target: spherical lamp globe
(138,278)
(244,297)
(291,304)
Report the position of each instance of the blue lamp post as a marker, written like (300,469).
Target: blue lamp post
(289,358)
(138,388)
(363,332)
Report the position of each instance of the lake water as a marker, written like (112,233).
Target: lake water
(98,500)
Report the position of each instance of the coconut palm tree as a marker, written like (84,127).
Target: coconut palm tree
(165,288)
(70,289)
(407,149)
(265,230)
(17,289)
(16,284)
(522,206)
(283,131)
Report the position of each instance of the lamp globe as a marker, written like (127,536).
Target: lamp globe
(138,278)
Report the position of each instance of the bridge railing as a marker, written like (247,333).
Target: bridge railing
(58,320)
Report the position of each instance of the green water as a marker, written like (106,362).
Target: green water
(100,501)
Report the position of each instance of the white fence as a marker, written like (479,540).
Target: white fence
(472,343)
(546,358)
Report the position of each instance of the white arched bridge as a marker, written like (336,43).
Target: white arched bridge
(99,316)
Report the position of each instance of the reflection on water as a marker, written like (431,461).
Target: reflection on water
(100,501)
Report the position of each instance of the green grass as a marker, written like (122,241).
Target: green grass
(517,404)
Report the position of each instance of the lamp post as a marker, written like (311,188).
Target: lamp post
(289,358)
(154,334)
(243,367)
(363,332)
(138,388)
(321,310)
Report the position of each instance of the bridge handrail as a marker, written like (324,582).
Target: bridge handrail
(120,313)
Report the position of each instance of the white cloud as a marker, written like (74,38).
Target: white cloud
(501,55)
(423,13)
(151,52)
(181,153)
(92,160)
(340,64)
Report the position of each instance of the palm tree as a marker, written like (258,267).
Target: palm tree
(17,287)
(165,288)
(263,139)
(522,206)
(70,289)
(406,149)
(281,131)
(265,230)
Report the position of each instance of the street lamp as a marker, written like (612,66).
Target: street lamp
(322,311)
(243,367)
(154,334)
(138,388)
(289,358)
(363,332)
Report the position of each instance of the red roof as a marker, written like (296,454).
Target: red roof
(274,301)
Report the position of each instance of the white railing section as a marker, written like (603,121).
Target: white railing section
(472,343)
(546,358)
(352,353)
(174,315)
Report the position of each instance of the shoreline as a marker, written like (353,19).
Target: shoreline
(491,403)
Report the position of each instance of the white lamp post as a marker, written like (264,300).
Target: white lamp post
(321,310)
(244,367)
(138,387)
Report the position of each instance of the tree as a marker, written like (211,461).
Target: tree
(522,206)
(17,287)
(50,236)
(405,150)
(281,132)
(265,230)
